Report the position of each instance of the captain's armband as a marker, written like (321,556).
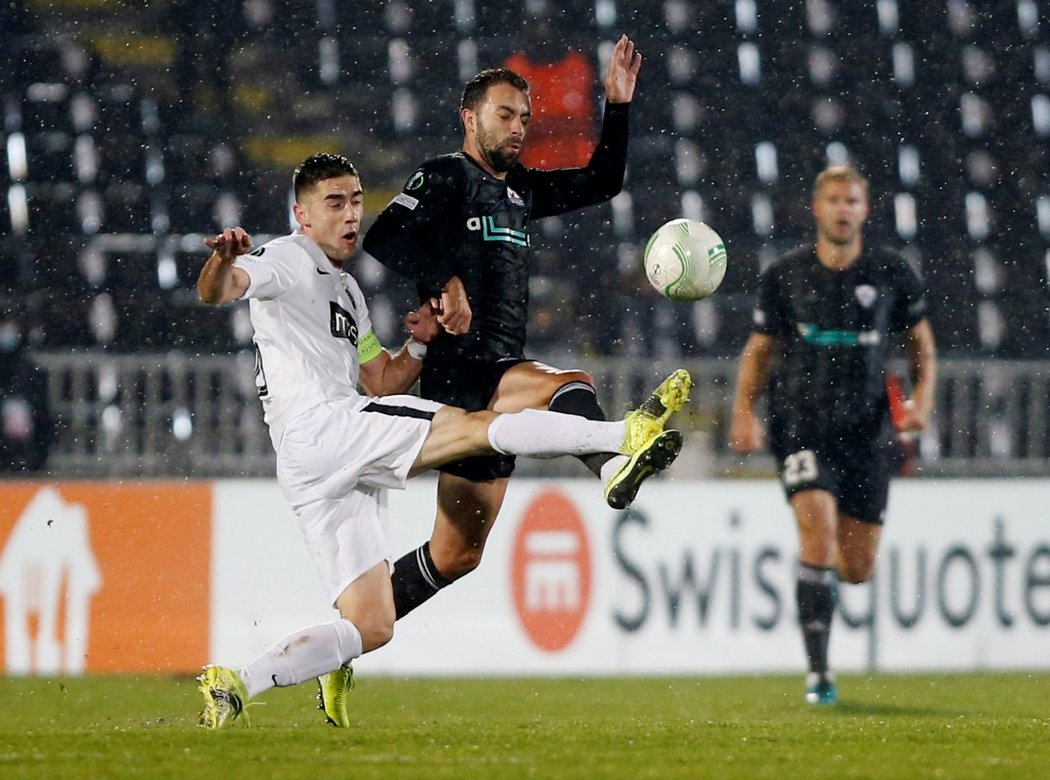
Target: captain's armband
(368,347)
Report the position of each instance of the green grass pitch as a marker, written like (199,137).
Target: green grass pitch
(993,725)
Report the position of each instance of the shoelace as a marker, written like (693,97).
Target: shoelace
(653,405)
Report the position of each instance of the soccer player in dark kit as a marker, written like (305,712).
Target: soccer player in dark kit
(459,230)
(822,334)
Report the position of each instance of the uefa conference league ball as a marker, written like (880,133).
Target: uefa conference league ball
(685,260)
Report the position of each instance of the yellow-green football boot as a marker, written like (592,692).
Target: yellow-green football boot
(225,698)
(334,689)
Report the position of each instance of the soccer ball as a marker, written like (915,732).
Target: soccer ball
(685,260)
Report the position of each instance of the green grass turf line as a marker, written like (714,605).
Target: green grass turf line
(887,726)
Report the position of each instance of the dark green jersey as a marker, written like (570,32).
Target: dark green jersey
(835,330)
(452,218)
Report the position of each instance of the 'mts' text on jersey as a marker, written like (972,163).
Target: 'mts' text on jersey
(343,324)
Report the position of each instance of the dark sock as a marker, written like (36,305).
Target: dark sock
(415,579)
(816,593)
(579,398)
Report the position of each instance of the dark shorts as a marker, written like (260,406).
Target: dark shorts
(859,479)
(469,384)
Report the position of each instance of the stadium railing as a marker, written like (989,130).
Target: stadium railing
(179,414)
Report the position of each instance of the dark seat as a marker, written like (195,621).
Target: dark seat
(58,318)
(52,209)
(128,207)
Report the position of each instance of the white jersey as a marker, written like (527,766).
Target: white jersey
(312,329)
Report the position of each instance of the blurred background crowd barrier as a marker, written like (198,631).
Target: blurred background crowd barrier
(132,129)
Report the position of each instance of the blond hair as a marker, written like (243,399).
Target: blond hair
(839,173)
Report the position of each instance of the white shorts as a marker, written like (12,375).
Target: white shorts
(335,463)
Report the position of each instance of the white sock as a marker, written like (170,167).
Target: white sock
(303,655)
(612,467)
(542,434)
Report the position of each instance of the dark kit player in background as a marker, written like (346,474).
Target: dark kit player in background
(823,332)
(459,230)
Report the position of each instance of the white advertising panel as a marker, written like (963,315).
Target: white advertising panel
(697,577)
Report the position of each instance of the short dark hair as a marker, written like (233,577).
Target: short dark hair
(318,167)
(476,88)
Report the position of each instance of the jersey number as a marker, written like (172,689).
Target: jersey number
(799,467)
(260,375)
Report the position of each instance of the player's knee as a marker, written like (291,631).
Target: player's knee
(576,375)
(454,433)
(857,570)
(376,633)
(562,378)
(554,381)
(463,562)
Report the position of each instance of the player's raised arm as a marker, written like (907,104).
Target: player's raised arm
(622,75)
(219,281)
(560,190)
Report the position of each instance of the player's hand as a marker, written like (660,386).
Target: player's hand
(230,243)
(623,71)
(912,421)
(746,433)
(422,323)
(454,313)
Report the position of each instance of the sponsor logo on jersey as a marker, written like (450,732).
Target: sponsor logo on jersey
(490,231)
(514,197)
(811,334)
(407,201)
(866,295)
(343,324)
(257,252)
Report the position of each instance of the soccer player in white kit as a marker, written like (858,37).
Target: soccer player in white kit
(338,451)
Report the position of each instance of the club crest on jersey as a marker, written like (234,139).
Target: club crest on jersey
(866,295)
(514,197)
(415,182)
(343,324)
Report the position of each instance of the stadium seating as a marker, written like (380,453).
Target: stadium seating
(123,119)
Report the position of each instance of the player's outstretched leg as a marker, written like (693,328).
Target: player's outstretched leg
(650,449)
(821,689)
(225,698)
(334,689)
